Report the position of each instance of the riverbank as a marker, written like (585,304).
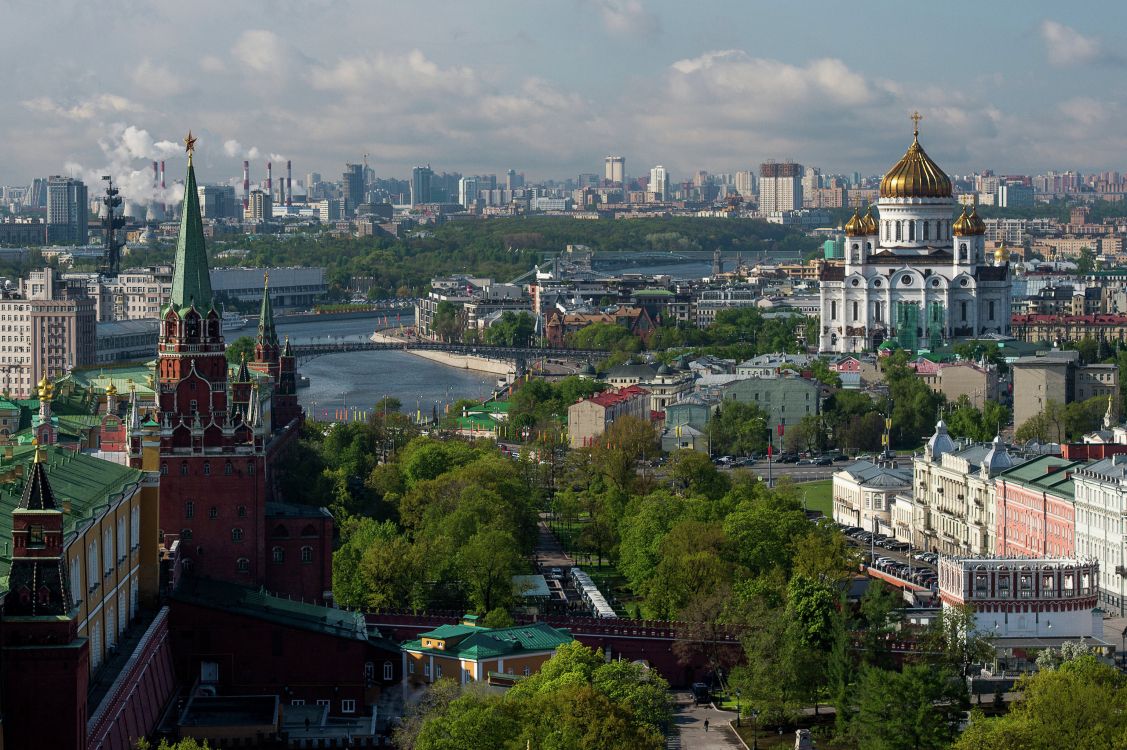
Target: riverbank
(460,361)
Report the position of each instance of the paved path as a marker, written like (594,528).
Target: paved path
(690,734)
(549,552)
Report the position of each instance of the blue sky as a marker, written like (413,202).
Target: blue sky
(549,88)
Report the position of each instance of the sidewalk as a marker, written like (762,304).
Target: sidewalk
(689,720)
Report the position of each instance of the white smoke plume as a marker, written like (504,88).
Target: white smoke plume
(235,150)
(278,159)
(129,152)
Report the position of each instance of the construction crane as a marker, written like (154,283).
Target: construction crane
(111,253)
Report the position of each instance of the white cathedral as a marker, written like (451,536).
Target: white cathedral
(914,274)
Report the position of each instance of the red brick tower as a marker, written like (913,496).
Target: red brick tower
(212,455)
(266,350)
(286,407)
(45,664)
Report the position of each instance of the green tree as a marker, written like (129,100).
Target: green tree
(695,473)
(511,329)
(916,709)
(738,429)
(488,562)
(241,347)
(447,322)
(1086,262)
(954,641)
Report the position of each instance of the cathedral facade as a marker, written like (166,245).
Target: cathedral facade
(916,274)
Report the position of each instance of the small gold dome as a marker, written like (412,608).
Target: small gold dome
(963,226)
(869,223)
(1001,255)
(915,175)
(111,390)
(855,226)
(977,222)
(46,390)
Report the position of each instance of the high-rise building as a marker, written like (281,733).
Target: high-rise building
(261,208)
(467,191)
(37,194)
(615,173)
(780,187)
(513,180)
(352,182)
(68,211)
(420,185)
(1015,195)
(659,183)
(219,202)
(745,183)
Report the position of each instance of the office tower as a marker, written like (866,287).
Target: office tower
(37,194)
(780,187)
(352,182)
(615,170)
(467,191)
(659,183)
(218,202)
(67,211)
(420,185)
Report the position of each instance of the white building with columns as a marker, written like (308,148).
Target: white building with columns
(915,273)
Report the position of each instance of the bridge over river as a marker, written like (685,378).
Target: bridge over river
(306,352)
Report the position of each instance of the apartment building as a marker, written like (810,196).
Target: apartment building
(1058,376)
(1100,501)
(588,419)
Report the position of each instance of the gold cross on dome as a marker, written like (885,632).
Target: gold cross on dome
(916,117)
(189,143)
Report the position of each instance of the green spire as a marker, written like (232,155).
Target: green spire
(191,282)
(267,336)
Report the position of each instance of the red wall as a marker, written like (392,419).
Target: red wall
(44,686)
(300,580)
(1034,523)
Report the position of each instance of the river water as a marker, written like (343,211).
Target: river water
(354,381)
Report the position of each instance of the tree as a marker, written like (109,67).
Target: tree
(979,425)
(696,474)
(916,709)
(511,329)
(738,429)
(488,562)
(387,404)
(447,321)
(954,641)
(1086,262)
(1082,703)
(241,347)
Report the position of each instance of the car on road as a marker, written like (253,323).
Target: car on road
(824,461)
(555,573)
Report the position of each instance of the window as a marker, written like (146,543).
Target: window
(911,230)
(388,672)
(236,534)
(963,308)
(426,668)
(228,469)
(36,537)
(369,670)
(185,534)
(898,231)
(526,672)
(164,470)
(121,537)
(348,706)
(927,230)
(250,467)
(307,554)
(242,565)
(242,511)
(183,468)
(438,671)
(135,527)
(207,468)
(194,405)
(991,309)
(279,555)
(107,551)
(75,575)
(213,513)
(323,702)
(411,666)
(92,565)
(833,310)
(297,702)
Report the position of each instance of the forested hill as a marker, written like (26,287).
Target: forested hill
(500,248)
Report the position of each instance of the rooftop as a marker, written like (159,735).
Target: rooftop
(467,641)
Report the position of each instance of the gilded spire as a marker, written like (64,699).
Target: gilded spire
(191,279)
(916,117)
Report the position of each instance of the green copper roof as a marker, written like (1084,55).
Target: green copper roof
(476,643)
(191,283)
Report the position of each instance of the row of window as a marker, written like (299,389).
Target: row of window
(105,554)
(906,230)
(347,705)
(212,512)
(228,467)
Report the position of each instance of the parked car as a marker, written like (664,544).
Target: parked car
(824,461)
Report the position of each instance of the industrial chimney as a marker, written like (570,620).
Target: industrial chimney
(246,185)
(289,182)
(270,179)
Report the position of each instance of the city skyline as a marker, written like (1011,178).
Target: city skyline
(551,91)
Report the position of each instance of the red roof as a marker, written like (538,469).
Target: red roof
(612,397)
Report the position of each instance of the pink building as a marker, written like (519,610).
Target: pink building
(1034,511)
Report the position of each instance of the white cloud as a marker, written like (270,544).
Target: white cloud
(413,71)
(235,150)
(86,109)
(212,64)
(261,51)
(627,17)
(1066,46)
(155,79)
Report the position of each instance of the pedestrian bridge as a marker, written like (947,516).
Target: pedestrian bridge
(306,352)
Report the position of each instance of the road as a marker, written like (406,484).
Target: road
(689,720)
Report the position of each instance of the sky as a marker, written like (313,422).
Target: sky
(550,87)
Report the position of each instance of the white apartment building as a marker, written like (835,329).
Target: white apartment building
(864,493)
(780,187)
(659,183)
(46,330)
(1100,499)
(953,494)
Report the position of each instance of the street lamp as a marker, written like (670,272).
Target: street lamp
(738,707)
(754,729)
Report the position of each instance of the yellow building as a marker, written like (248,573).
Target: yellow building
(109,511)
(468,652)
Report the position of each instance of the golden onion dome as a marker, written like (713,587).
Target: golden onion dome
(855,226)
(1001,255)
(977,222)
(915,175)
(111,390)
(963,225)
(869,223)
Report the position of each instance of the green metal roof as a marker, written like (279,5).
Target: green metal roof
(85,483)
(191,280)
(1036,474)
(231,597)
(475,643)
